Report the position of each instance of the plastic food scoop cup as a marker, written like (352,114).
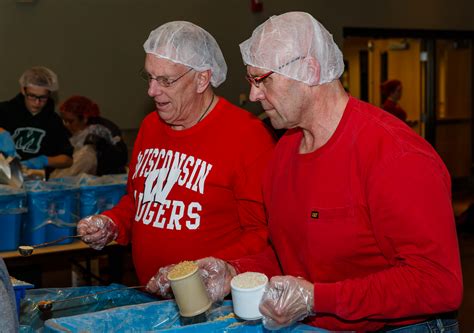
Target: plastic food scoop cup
(247,291)
(188,289)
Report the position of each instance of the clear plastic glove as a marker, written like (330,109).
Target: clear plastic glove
(216,275)
(286,300)
(7,146)
(159,284)
(97,231)
(39,162)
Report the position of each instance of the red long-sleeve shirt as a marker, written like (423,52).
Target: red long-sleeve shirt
(368,219)
(196,192)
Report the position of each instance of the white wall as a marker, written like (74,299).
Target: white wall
(95,46)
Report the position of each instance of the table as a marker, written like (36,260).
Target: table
(77,245)
(52,266)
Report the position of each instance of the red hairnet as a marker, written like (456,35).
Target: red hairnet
(80,106)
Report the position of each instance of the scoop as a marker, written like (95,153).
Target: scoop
(47,305)
(27,250)
(10,171)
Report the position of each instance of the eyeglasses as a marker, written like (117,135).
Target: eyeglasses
(33,97)
(163,81)
(256,80)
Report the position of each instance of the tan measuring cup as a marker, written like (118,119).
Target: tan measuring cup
(188,289)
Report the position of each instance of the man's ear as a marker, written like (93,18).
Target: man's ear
(314,70)
(203,80)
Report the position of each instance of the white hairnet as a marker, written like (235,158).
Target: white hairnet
(39,76)
(186,43)
(283,43)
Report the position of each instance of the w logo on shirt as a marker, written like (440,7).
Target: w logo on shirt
(159,183)
(28,139)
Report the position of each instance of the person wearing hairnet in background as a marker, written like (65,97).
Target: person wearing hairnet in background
(194,186)
(29,126)
(99,148)
(359,205)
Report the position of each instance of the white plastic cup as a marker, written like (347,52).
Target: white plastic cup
(246,300)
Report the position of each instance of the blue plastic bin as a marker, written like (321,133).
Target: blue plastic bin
(97,194)
(97,198)
(20,288)
(12,206)
(52,212)
(161,316)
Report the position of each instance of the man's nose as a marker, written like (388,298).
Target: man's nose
(256,94)
(154,89)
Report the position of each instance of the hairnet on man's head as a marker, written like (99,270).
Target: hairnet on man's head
(185,43)
(39,76)
(286,42)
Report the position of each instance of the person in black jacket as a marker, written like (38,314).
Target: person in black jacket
(98,145)
(29,126)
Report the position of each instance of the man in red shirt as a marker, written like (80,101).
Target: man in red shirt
(195,181)
(359,206)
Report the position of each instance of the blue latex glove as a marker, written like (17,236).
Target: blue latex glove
(39,162)
(7,146)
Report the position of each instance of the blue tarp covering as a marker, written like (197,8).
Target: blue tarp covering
(162,316)
(32,319)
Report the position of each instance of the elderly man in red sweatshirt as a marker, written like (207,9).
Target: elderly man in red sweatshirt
(195,181)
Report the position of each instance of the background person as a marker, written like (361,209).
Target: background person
(359,206)
(99,148)
(194,186)
(30,122)
(391,94)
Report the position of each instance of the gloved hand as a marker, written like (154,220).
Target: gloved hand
(159,284)
(7,146)
(216,275)
(39,162)
(286,300)
(97,231)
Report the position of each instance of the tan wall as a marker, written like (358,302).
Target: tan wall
(96,45)
(351,48)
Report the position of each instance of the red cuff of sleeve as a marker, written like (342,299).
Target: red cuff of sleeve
(325,300)
(122,237)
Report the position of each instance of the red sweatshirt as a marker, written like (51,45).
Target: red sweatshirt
(197,192)
(368,219)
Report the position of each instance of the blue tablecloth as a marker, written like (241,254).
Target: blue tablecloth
(162,316)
